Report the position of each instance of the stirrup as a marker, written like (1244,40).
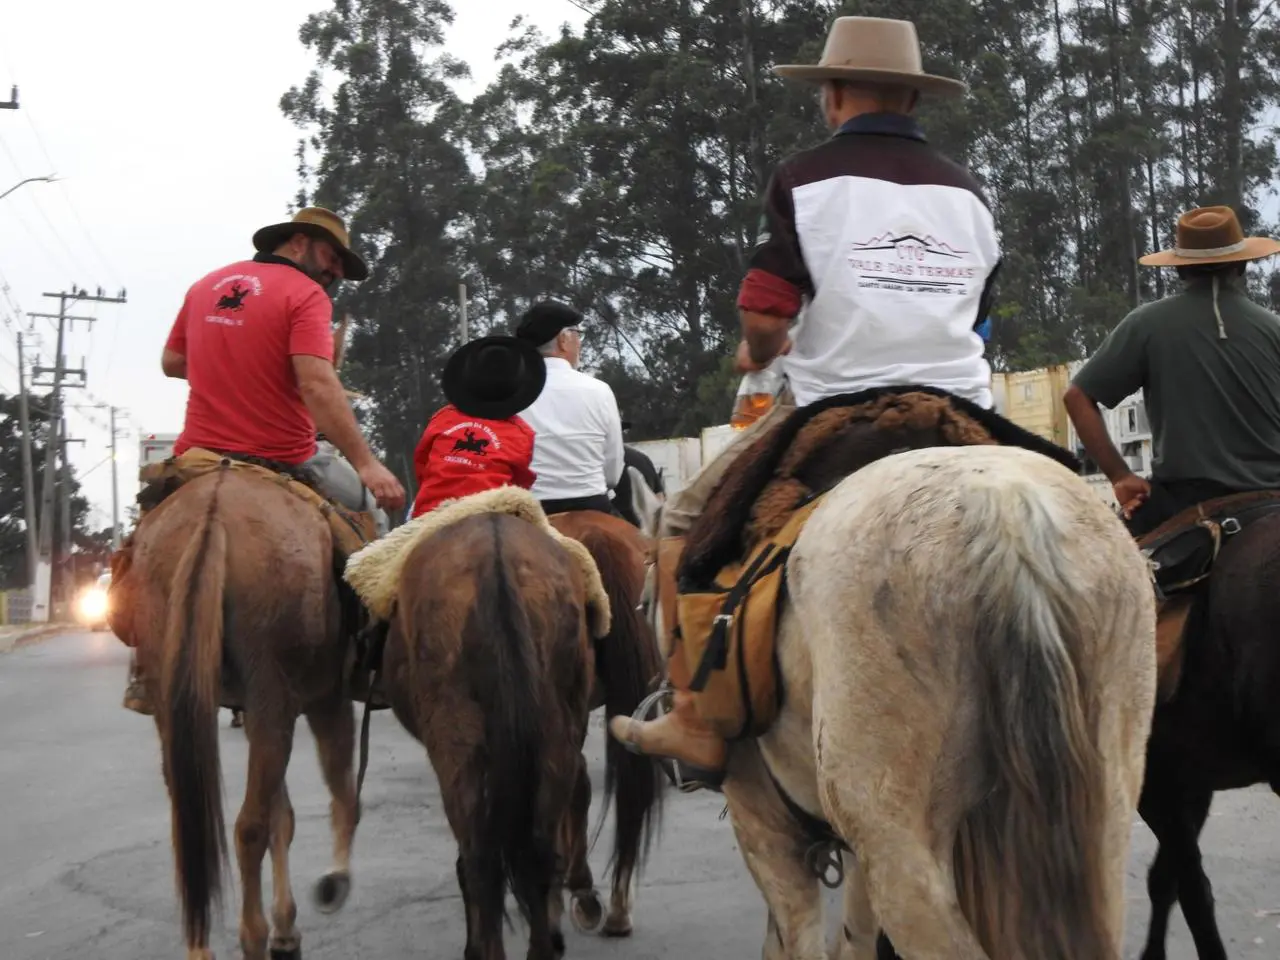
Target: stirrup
(671,767)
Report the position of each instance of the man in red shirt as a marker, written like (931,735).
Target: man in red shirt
(477,442)
(254,341)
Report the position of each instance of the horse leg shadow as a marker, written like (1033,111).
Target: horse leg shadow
(1176,817)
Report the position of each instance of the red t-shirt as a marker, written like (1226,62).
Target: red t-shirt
(238,328)
(460,455)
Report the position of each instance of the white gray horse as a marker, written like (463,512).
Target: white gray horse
(969,673)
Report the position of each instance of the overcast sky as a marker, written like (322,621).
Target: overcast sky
(163,120)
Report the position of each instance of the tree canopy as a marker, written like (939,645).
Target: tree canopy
(619,168)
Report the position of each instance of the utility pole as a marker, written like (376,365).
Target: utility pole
(65,541)
(12,102)
(28,474)
(462,307)
(115,488)
(41,605)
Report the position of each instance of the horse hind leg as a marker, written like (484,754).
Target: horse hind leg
(618,922)
(1177,819)
(773,847)
(334,727)
(905,847)
(585,910)
(286,941)
(270,745)
(858,940)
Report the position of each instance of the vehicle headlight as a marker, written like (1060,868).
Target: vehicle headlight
(93,604)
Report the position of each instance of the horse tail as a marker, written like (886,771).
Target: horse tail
(509,846)
(1028,860)
(626,665)
(190,681)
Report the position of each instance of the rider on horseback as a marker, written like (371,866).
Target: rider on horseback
(255,343)
(1207,361)
(895,250)
(578,458)
(477,442)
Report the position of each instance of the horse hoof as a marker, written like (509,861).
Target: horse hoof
(332,890)
(586,911)
(617,925)
(286,953)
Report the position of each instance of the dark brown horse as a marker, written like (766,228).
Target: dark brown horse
(231,598)
(1219,731)
(489,664)
(627,665)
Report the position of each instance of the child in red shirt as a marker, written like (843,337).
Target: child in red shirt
(477,442)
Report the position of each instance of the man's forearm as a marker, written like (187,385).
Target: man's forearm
(1086,416)
(334,418)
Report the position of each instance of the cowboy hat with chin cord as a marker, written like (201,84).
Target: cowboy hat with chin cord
(320,224)
(1208,236)
(494,378)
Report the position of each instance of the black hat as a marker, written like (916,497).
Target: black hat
(494,377)
(543,321)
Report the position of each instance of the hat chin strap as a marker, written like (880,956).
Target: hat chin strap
(1222,330)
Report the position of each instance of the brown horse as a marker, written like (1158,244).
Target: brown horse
(231,598)
(627,665)
(488,663)
(1219,731)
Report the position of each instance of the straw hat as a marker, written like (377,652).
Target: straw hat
(874,49)
(1208,235)
(321,224)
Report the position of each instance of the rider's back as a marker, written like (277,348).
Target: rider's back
(1213,403)
(578,452)
(239,328)
(895,247)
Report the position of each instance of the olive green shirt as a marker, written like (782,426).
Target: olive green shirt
(1213,405)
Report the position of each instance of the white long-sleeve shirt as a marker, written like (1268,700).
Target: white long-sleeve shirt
(577,450)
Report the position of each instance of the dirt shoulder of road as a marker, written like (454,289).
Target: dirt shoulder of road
(13,637)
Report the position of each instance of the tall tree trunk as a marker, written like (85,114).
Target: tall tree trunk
(1232,106)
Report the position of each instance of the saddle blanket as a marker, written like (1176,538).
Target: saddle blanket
(374,572)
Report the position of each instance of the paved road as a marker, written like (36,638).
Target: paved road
(86,861)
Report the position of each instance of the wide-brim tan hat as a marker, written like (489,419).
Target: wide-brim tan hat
(1208,235)
(877,50)
(323,225)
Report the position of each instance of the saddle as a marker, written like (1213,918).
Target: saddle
(1182,552)
(730,572)
(351,530)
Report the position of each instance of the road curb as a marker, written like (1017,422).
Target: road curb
(13,640)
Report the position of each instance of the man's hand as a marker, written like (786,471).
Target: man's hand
(743,363)
(1131,492)
(384,486)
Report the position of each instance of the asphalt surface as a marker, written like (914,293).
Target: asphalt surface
(86,868)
